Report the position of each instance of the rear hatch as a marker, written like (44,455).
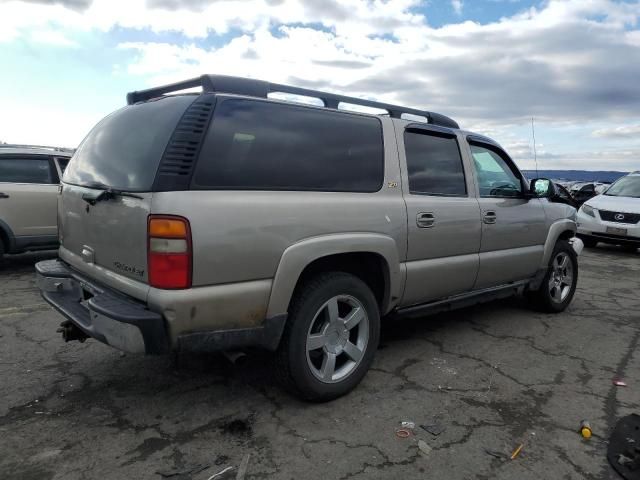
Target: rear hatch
(107,190)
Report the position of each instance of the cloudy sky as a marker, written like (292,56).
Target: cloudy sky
(573,65)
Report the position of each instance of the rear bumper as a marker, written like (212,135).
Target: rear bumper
(101,313)
(126,324)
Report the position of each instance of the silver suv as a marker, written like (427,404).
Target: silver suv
(29,178)
(228,219)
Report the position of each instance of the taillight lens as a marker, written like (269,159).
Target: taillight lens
(170,255)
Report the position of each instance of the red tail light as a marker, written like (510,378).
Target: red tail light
(169,251)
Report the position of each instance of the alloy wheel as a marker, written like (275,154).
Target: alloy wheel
(337,338)
(562,277)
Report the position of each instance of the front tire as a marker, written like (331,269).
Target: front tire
(330,338)
(559,284)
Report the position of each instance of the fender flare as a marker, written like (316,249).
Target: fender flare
(299,255)
(556,229)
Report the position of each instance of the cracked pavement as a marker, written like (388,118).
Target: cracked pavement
(496,376)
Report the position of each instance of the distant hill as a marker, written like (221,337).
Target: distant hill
(576,175)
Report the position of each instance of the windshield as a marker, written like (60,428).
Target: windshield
(123,151)
(628,186)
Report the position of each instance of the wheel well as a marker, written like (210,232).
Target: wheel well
(369,267)
(566,235)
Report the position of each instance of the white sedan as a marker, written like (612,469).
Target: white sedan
(614,216)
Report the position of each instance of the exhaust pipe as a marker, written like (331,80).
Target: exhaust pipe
(70,332)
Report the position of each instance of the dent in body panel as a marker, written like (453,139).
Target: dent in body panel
(220,307)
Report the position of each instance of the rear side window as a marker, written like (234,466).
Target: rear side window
(124,150)
(257,145)
(434,164)
(25,170)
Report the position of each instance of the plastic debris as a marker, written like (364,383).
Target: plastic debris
(585,429)
(424,447)
(517,451)
(409,425)
(221,473)
(434,429)
(619,383)
(496,454)
(403,433)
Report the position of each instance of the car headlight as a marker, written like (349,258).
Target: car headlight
(588,210)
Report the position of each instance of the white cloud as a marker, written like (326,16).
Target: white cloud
(626,131)
(565,62)
(52,37)
(219,16)
(35,124)
(560,65)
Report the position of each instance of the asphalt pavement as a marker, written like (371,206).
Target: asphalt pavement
(492,377)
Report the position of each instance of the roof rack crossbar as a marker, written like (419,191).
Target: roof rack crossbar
(44,147)
(260,88)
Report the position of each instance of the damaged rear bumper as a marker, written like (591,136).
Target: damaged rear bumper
(101,313)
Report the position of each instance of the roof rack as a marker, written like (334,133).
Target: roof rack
(260,88)
(44,147)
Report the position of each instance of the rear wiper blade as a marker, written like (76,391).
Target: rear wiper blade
(107,193)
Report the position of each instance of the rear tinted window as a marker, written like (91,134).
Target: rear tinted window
(25,170)
(260,145)
(434,164)
(123,151)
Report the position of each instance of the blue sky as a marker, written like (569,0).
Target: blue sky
(491,64)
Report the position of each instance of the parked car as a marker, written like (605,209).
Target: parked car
(29,178)
(614,216)
(564,195)
(227,219)
(581,192)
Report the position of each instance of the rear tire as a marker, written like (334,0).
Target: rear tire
(330,338)
(559,284)
(630,248)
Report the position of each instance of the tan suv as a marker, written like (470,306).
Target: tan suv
(227,219)
(29,178)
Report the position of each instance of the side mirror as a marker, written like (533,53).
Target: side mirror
(542,188)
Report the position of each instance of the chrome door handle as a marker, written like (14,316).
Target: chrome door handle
(425,220)
(489,217)
(3,195)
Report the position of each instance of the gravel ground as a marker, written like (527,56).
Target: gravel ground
(494,376)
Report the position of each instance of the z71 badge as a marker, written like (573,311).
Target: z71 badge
(128,268)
